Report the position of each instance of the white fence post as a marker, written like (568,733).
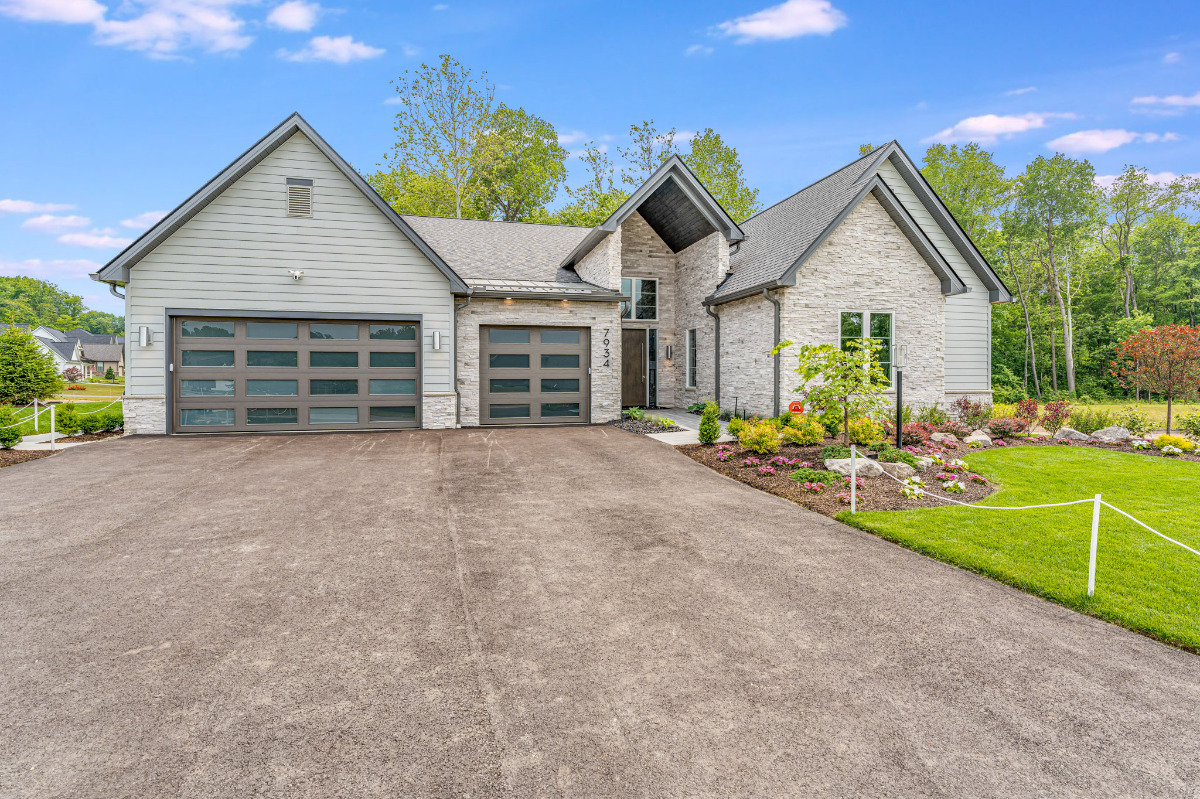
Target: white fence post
(853,478)
(1095,540)
(51,408)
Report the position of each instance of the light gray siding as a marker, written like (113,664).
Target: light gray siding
(968,316)
(235,255)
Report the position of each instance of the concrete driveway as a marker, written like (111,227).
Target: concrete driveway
(560,612)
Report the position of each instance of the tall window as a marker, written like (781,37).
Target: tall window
(867,325)
(691,358)
(643,294)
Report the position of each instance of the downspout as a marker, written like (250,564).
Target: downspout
(112,287)
(716,353)
(454,361)
(775,302)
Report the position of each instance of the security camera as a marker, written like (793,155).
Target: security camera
(296,273)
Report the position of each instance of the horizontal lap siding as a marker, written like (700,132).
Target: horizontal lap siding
(968,339)
(235,255)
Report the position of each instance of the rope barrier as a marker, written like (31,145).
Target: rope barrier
(1151,529)
(27,420)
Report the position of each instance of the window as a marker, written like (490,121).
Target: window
(692,339)
(508,411)
(333,415)
(394,332)
(392,386)
(272,388)
(867,325)
(643,294)
(206,358)
(508,335)
(206,417)
(271,416)
(299,197)
(319,359)
(509,386)
(205,328)
(550,336)
(269,358)
(206,388)
(569,409)
(393,360)
(393,413)
(332,331)
(271,329)
(504,360)
(322,387)
(551,361)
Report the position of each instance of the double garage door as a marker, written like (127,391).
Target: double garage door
(534,375)
(254,375)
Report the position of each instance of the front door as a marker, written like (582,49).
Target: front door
(633,366)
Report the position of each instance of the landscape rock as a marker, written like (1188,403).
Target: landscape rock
(924,463)
(1071,434)
(865,467)
(978,436)
(943,437)
(901,471)
(1112,435)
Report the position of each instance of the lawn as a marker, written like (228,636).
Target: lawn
(44,416)
(112,390)
(1142,582)
(1157,411)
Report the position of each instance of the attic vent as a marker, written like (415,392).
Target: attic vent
(299,197)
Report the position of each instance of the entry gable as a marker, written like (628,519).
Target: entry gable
(116,271)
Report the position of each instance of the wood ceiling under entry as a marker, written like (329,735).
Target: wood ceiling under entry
(673,217)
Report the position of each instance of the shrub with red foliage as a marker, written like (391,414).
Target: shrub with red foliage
(72,374)
(1005,427)
(973,414)
(1028,411)
(1054,414)
(1164,360)
(912,433)
(955,428)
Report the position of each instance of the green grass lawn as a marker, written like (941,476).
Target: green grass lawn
(1142,582)
(44,417)
(1157,411)
(112,390)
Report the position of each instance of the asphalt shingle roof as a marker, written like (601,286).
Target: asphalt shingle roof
(64,349)
(481,250)
(102,352)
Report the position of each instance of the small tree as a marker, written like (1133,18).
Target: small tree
(710,426)
(27,372)
(848,380)
(110,375)
(1163,360)
(72,374)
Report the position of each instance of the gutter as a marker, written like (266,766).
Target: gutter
(112,288)
(716,354)
(454,361)
(767,294)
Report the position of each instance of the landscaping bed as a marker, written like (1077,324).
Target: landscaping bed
(874,493)
(11,457)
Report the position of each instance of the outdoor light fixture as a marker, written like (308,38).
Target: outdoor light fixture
(296,273)
(437,339)
(144,336)
(668,352)
(900,360)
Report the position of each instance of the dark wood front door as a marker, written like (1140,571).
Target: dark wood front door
(633,367)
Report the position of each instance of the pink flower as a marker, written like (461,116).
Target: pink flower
(767,470)
(844,498)
(975,478)
(751,462)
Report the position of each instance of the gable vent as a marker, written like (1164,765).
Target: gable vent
(299,197)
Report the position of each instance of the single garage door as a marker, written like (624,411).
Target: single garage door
(534,375)
(283,374)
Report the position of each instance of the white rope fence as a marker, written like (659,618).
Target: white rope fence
(1095,502)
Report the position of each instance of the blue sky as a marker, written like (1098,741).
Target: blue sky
(113,111)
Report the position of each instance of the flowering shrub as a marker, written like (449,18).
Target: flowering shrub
(913,487)
(751,462)
(999,442)
(978,478)
(723,455)
(864,431)
(1054,414)
(858,481)
(1002,409)
(767,471)
(972,414)
(813,488)
(761,438)
(955,428)
(806,475)
(844,499)
(1005,427)
(1135,420)
(1189,423)
(953,487)
(1140,443)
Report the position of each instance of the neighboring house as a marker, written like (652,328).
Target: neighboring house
(66,353)
(287,295)
(99,358)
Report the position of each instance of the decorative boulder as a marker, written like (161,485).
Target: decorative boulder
(901,471)
(1112,435)
(864,468)
(924,463)
(1071,434)
(943,437)
(978,436)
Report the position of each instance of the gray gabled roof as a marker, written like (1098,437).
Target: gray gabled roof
(116,271)
(781,238)
(674,203)
(64,349)
(102,352)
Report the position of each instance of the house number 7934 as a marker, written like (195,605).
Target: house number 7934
(607,350)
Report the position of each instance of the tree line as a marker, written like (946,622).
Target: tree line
(27,300)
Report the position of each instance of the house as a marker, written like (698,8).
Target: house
(93,354)
(66,353)
(285,294)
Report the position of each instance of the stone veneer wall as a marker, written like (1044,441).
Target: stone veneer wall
(602,266)
(438,411)
(602,317)
(868,264)
(747,330)
(698,271)
(145,415)
(645,255)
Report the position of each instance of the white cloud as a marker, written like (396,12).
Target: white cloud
(1101,141)
(440,7)
(698,49)
(989,128)
(49,223)
(27,207)
(1161,178)
(100,239)
(1172,58)
(788,20)
(294,15)
(338,49)
(1019,92)
(684,135)
(68,11)
(571,137)
(409,50)
(143,221)
(49,270)
(1170,101)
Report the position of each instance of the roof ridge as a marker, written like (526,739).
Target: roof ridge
(495,221)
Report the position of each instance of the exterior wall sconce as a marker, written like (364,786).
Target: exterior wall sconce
(437,339)
(900,360)
(144,337)
(668,353)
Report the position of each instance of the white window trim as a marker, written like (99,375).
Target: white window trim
(634,291)
(866,330)
(690,373)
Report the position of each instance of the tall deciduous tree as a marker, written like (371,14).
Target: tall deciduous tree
(646,151)
(718,167)
(971,184)
(597,197)
(1058,200)
(1164,360)
(443,120)
(524,165)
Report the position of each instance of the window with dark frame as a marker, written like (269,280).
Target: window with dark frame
(643,302)
(691,357)
(867,326)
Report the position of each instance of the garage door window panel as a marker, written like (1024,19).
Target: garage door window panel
(508,360)
(333,331)
(393,413)
(393,360)
(333,415)
(272,416)
(207,358)
(264,359)
(322,359)
(392,387)
(207,417)
(393,332)
(207,328)
(318,388)
(272,388)
(504,385)
(206,388)
(272,330)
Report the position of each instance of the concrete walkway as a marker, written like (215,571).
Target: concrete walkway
(687,420)
(42,441)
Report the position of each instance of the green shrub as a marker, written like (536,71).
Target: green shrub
(761,438)
(66,419)
(835,452)
(637,414)
(736,426)
(865,431)
(889,454)
(784,419)
(831,420)
(1135,420)
(9,436)
(1188,423)
(710,427)
(696,407)
(932,414)
(113,419)
(814,476)
(90,423)
(1087,419)
(804,431)
(1174,441)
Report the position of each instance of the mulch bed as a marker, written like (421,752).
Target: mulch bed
(881,493)
(11,457)
(644,427)
(94,436)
